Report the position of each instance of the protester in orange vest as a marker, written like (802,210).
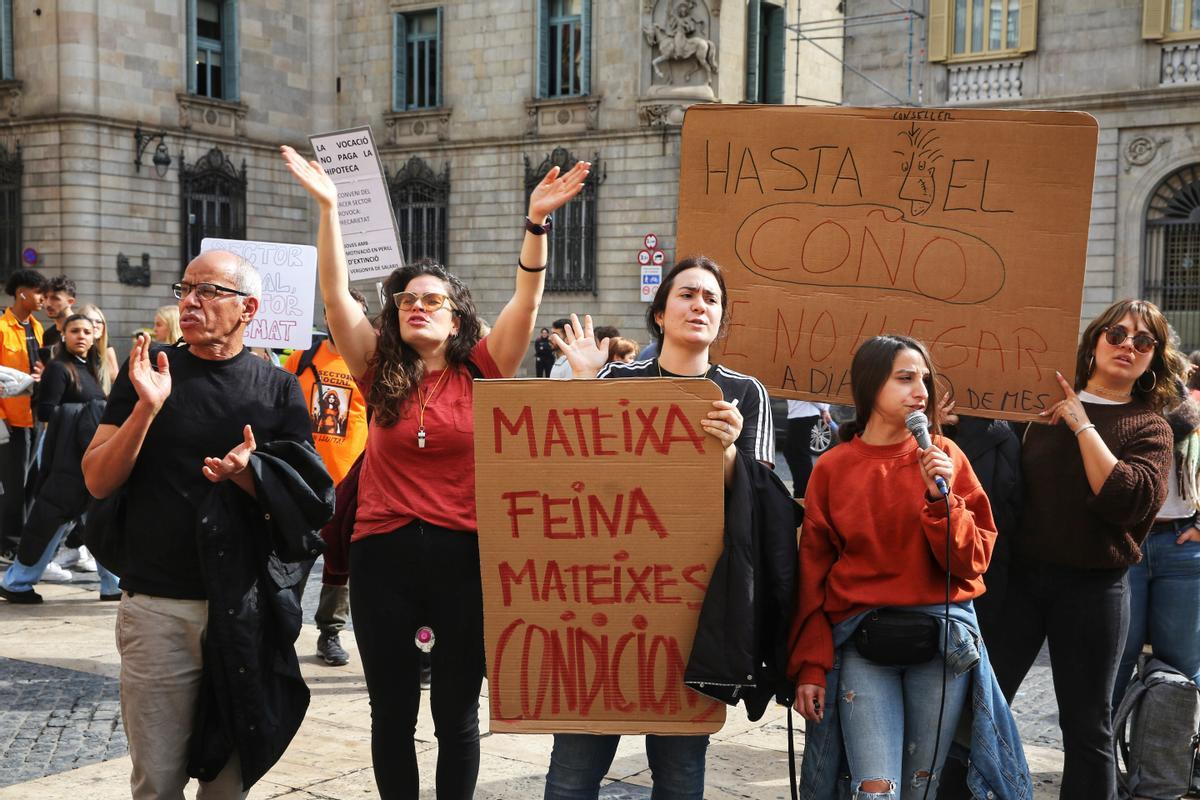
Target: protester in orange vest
(20,338)
(339,429)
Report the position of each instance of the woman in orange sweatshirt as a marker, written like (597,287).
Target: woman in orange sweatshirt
(874,551)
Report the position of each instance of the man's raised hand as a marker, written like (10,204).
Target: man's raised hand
(152,387)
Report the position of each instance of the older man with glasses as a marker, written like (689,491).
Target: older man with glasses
(192,437)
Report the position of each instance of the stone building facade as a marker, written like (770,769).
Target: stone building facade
(470,101)
(1135,66)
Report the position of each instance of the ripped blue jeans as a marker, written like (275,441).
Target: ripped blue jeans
(889,718)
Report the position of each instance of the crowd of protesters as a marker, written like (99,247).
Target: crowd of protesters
(205,478)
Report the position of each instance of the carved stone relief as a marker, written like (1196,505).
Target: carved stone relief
(1141,151)
(681,45)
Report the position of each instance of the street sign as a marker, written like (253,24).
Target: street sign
(644,257)
(651,241)
(651,278)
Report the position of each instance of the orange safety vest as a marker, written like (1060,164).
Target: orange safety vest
(14,353)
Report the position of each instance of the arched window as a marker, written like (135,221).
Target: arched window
(1171,270)
(10,211)
(572,266)
(213,197)
(420,198)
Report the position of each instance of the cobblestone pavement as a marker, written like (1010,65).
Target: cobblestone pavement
(1035,708)
(52,720)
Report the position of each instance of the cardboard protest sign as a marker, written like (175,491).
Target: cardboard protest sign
(600,508)
(369,234)
(964,228)
(289,276)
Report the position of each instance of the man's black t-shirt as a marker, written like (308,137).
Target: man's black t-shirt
(209,404)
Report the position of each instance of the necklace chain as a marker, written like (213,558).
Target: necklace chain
(658,366)
(423,401)
(1107,393)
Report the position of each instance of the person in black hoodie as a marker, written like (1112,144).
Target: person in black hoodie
(68,384)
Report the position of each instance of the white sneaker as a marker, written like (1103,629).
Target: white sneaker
(56,573)
(67,557)
(86,562)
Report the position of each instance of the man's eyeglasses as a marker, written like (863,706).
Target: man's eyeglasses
(1116,336)
(205,291)
(430,301)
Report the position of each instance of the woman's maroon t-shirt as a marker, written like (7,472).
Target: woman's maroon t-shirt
(401,481)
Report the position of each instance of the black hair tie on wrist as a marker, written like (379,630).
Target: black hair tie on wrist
(531,269)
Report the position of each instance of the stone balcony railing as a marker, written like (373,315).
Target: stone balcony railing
(1180,63)
(982,81)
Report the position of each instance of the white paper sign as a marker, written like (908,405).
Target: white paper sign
(289,276)
(369,234)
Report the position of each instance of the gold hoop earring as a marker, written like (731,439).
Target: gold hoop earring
(1153,381)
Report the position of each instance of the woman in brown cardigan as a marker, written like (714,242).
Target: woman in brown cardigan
(1093,480)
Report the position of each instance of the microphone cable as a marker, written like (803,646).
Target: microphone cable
(945,647)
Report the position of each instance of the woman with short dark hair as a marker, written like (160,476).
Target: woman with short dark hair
(689,313)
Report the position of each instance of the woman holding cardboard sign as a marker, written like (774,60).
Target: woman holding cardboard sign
(1094,479)
(690,310)
(414,557)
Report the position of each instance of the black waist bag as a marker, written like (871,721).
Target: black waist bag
(896,638)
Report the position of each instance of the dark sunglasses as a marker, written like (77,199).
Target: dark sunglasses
(1116,336)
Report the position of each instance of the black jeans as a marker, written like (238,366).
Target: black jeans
(420,575)
(543,367)
(1084,615)
(14,462)
(795,451)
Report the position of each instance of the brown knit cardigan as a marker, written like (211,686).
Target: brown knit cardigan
(1063,521)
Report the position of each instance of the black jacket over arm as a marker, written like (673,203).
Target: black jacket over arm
(61,495)
(741,646)
(252,549)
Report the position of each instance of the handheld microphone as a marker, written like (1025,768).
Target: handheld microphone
(918,425)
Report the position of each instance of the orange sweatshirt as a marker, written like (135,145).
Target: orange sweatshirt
(871,538)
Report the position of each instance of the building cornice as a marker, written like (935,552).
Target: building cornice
(1102,101)
(516,142)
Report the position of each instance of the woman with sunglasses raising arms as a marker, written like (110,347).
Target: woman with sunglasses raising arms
(1093,480)
(414,554)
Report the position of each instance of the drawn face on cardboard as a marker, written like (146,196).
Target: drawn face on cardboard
(917,163)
